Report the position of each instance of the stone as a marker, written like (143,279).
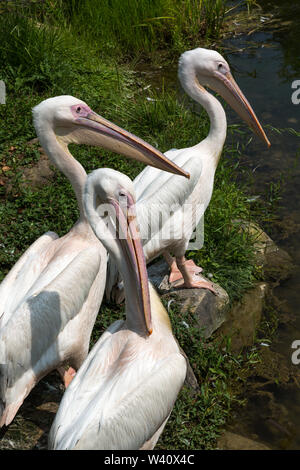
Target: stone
(244,317)
(275,262)
(278,265)
(210,310)
(232,441)
(33,141)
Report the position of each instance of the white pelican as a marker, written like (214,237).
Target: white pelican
(125,390)
(157,191)
(50,298)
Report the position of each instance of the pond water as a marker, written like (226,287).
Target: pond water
(265,64)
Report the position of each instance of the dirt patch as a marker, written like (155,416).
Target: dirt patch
(34,176)
(38,175)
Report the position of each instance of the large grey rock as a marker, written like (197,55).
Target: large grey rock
(210,310)
(275,262)
(244,317)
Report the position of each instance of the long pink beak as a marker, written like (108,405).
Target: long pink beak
(128,235)
(118,140)
(230,91)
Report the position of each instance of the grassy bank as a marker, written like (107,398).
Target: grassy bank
(128,27)
(64,48)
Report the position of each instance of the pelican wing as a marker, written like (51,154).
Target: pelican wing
(117,405)
(151,180)
(168,195)
(142,180)
(82,390)
(141,413)
(23,274)
(33,341)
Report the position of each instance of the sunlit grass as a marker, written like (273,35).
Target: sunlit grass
(39,39)
(31,53)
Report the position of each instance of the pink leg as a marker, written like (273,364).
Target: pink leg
(67,375)
(188,278)
(192,267)
(175,273)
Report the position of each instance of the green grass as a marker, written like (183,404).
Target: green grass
(37,36)
(129,25)
(147,25)
(33,53)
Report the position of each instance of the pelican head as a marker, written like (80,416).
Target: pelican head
(109,205)
(210,69)
(73,121)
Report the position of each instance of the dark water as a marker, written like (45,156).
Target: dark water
(265,64)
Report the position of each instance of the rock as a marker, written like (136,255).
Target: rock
(231,441)
(210,310)
(275,262)
(244,317)
(278,265)
(274,368)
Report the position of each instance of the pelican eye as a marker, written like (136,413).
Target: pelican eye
(222,68)
(78,110)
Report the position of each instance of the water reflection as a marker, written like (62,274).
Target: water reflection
(288,37)
(265,64)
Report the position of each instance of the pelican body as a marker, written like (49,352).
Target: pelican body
(125,390)
(51,297)
(156,189)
